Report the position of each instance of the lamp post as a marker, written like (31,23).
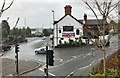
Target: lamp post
(53,27)
(53,15)
(53,19)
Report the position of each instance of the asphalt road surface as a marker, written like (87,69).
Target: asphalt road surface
(66,59)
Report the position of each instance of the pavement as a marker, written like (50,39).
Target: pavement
(8,67)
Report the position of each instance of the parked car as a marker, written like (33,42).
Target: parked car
(43,38)
(41,50)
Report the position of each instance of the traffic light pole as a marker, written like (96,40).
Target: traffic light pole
(17,64)
(47,61)
(16,57)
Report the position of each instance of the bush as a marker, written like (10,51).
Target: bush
(96,76)
(80,40)
(60,41)
(113,73)
(110,73)
(70,41)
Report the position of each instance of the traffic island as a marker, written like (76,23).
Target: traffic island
(9,66)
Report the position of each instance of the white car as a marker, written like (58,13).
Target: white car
(43,38)
(41,50)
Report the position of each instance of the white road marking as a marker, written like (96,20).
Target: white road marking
(87,66)
(48,72)
(64,62)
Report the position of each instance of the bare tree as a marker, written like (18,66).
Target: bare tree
(3,7)
(104,7)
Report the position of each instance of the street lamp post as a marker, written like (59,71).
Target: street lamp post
(53,27)
(53,16)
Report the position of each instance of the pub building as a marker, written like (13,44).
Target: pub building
(68,27)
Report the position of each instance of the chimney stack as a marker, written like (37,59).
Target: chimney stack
(85,29)
(68,9)
(85,17)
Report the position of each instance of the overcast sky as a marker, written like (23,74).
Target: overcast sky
(38,13)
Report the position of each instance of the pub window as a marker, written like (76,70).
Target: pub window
(77,32)
(59,31)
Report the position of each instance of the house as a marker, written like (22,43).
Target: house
(68,27)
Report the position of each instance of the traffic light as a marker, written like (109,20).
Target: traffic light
(16,48)
(50,58)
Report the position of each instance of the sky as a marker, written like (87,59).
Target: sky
(38,13)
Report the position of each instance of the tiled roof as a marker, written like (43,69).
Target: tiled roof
(93,21)
(89,21)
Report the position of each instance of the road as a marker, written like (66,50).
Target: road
(27,51)
(67,60)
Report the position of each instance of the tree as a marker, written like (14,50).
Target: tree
(23,31)
(105,8)
(3,7)
(13,31)
(46,33)
(28,31)
(1,12)
(5,28)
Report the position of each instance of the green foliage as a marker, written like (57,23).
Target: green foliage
(16,35)
(4,33)
(46,32)
(70,41)
(5,28)
(65,42)
(21,32)
(96,76)
(5,25)
(80,40)
(113,73)
(28,32)
(110,73)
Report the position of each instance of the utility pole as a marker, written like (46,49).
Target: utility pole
(53,18)
(53,28)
